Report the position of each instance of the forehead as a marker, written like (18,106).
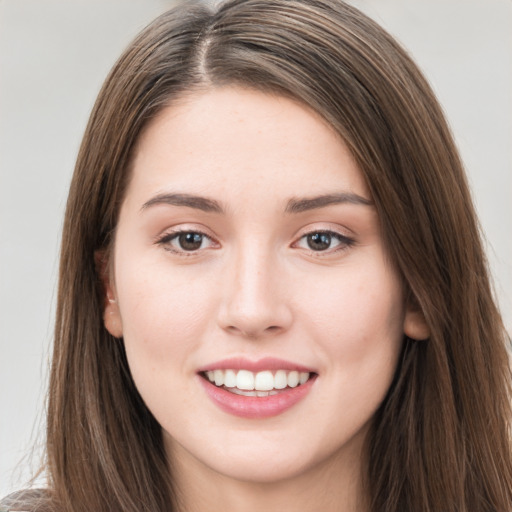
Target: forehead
(232,139)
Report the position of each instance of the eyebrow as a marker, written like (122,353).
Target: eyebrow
(304,204)
(294,205)
(191,201)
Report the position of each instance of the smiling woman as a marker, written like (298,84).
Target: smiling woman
(272,289)
(267,290)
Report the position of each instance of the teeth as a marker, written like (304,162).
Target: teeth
(264,381)
(237,391)
(280,379)
(218,377)
(230,379)
(293,379)
(244,382)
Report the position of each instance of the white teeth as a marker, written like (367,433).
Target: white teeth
(293,379)
(263,383)
(218,376)
(280,379)
(245,380)
(230,379)
(237,391)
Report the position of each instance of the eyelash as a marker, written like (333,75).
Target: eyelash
(168,238)
(344,242)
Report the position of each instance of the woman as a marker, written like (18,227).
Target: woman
(272,288)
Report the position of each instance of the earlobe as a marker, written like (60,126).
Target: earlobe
(112,318)
(111,313)
(415,325)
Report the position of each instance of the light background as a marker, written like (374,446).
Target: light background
(54,55)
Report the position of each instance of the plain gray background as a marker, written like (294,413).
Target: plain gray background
(54,55)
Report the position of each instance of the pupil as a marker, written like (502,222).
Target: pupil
(190,241)
(319,241)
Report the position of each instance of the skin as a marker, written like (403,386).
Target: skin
(255,288)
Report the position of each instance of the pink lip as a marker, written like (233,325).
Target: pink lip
(254,407)
(267,363)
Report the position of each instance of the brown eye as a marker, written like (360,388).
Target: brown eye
(182,242)
(328,242)
(190,241)
(319,241)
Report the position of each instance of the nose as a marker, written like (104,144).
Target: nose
(254,303)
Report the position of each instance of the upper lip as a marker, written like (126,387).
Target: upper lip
(266,363)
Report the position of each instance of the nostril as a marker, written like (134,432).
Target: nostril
(248,333)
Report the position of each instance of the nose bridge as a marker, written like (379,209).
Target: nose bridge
(254,303)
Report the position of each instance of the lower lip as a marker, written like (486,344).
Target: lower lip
(256,407)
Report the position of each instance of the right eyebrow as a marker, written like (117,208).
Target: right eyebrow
(299,205)
(189,200)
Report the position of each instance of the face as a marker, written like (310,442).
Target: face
(249,253)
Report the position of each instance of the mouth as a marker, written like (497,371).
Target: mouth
(256,390)
(257,384)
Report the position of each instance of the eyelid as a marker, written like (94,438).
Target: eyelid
(345,240)
(166,236)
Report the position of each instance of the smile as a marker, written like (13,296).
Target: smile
(256,390)
(260,384)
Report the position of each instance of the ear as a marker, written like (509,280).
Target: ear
(111,313)
(415,325)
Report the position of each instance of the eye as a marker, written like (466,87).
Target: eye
(186,241)
(323,241)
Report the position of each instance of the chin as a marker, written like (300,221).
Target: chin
(265,470)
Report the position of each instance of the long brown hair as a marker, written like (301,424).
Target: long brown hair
(441,439)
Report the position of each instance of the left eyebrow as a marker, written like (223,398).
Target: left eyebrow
(191,201)
(297,205)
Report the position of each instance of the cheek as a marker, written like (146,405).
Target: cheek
(163,311)
(165,315)
(357,317)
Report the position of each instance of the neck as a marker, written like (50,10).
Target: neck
(332,485)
